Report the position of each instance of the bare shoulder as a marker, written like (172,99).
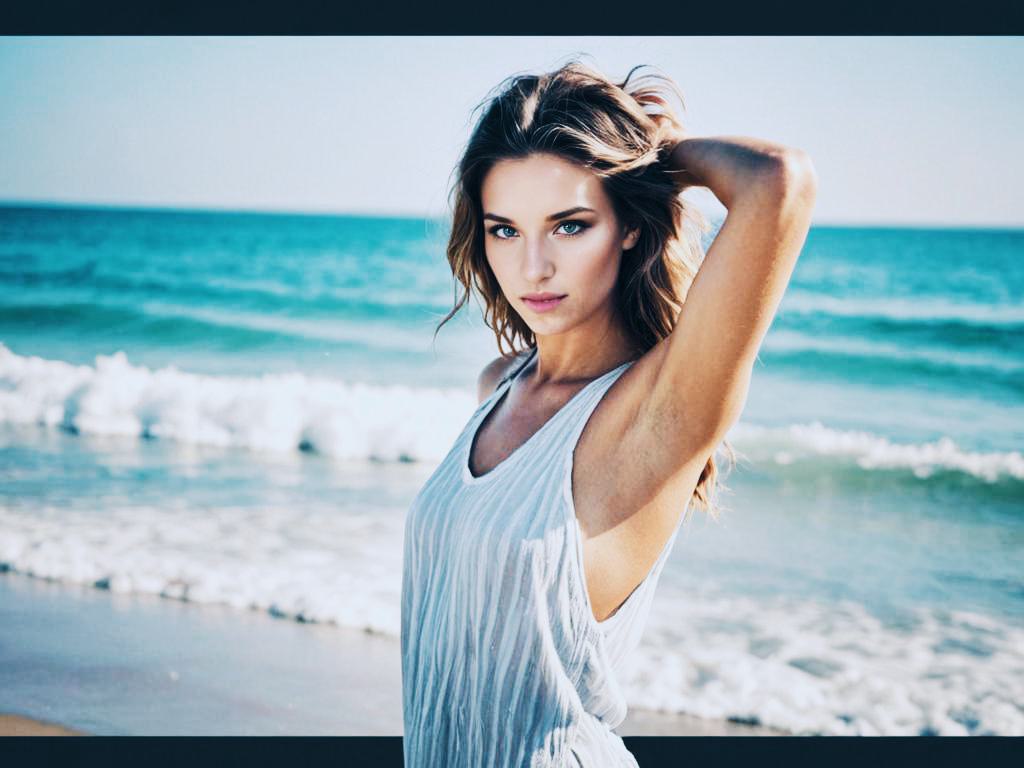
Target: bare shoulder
(492,374)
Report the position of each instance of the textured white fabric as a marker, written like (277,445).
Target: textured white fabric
(503,663)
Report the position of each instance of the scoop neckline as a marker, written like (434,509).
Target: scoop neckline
(499,394)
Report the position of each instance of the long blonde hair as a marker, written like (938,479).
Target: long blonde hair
(623,133)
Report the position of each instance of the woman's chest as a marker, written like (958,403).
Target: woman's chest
(514,424)
(452,520)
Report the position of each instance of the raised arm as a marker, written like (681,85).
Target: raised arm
(701,373)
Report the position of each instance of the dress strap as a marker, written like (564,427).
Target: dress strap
(512,374)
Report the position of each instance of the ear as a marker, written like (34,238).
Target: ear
(632,236)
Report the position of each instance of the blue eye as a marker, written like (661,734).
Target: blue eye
(581,227)
(494,230)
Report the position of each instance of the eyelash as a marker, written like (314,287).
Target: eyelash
(583,227)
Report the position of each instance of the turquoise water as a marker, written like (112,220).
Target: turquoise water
(229,292)
(905,314)
(239,407)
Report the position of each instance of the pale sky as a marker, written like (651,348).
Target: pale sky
(902,130)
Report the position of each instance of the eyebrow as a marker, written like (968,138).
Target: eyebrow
(552,217)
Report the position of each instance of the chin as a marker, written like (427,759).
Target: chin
(551,327)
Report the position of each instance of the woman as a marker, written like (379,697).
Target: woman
(533,551)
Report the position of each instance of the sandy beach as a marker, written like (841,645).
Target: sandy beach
(16,725)
(81,660)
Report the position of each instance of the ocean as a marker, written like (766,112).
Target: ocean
(238,408)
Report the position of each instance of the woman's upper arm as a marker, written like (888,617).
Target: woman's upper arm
(699,375)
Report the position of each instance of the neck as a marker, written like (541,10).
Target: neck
(582,354)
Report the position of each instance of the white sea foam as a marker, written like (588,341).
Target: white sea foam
(795,442)
(278,412)
(788,662)
(829,668)
(286,412)
(333,568)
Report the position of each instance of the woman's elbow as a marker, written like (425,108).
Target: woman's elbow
(789,179)
(795,173)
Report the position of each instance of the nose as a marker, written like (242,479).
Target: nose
(537,266)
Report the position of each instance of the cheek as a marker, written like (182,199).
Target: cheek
(496,270)
(601,270)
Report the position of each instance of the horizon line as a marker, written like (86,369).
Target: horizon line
(427,216)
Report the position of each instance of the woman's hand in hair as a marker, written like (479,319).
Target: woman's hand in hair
(672,136)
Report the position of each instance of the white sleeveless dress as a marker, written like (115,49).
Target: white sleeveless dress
(503,662)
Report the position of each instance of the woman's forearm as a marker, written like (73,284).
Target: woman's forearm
(734,167)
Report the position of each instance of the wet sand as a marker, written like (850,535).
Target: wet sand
(16,725)
(81,660)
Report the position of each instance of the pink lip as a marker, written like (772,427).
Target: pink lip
(544,305)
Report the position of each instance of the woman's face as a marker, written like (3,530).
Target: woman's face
(549,227)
